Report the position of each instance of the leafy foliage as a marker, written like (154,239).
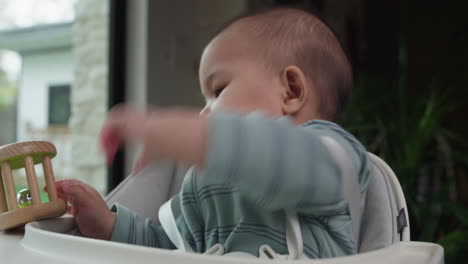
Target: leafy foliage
(410,134)
(7,90)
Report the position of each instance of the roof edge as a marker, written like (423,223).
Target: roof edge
(38,37)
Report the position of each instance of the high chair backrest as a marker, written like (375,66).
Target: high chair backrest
(385,216)
(146,191)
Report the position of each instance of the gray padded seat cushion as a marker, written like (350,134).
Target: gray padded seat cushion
(150,188)
(378,222)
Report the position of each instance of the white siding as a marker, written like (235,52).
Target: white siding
(39,71)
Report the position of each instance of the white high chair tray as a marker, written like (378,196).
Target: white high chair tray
(49,241)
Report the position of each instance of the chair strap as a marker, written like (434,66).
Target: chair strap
(294,236)
(168,223)
(352,191)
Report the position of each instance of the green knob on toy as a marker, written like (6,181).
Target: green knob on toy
(24,198)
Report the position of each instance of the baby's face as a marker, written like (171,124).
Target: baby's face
(231,78)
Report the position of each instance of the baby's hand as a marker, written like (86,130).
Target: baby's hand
(93,217)
(175,134)
(122,123)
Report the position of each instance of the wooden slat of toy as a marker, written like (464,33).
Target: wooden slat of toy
(49,177)
(32,180)
(9,186)
(3,200)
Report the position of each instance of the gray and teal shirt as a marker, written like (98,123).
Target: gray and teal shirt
(256,168)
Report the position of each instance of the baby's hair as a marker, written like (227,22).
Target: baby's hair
(291,36)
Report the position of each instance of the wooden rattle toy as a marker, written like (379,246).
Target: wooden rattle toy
(16,211)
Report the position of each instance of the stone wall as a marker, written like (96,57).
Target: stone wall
(89,90)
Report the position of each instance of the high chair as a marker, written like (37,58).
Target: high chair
(383,237)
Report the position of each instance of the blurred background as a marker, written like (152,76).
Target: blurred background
(64,63)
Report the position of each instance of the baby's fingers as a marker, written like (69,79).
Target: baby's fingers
(109,142)
(75,192)
(122,123)
(62,196)
(60,184)
(125,122)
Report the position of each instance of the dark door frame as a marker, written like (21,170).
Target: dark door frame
(117,78)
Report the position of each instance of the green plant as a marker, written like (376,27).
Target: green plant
(407,126)
(7,89)
(409,133)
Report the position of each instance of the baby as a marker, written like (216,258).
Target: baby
(274,82)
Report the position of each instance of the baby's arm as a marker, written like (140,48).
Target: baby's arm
(174,134)
(95,220)
(131,229)
(277,164)
(280,165)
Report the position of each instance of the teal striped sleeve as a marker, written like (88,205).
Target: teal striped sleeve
(131,229)
(278,165)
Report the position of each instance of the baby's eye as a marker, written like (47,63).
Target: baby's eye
(218,91)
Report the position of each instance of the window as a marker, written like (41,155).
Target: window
(59,104)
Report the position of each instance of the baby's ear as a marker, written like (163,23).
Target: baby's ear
(295,89)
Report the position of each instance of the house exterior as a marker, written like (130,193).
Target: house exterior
(44,87)
(47,66)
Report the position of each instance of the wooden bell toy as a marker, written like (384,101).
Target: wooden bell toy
(26,155)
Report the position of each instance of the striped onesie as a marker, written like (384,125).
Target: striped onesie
(256,168)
